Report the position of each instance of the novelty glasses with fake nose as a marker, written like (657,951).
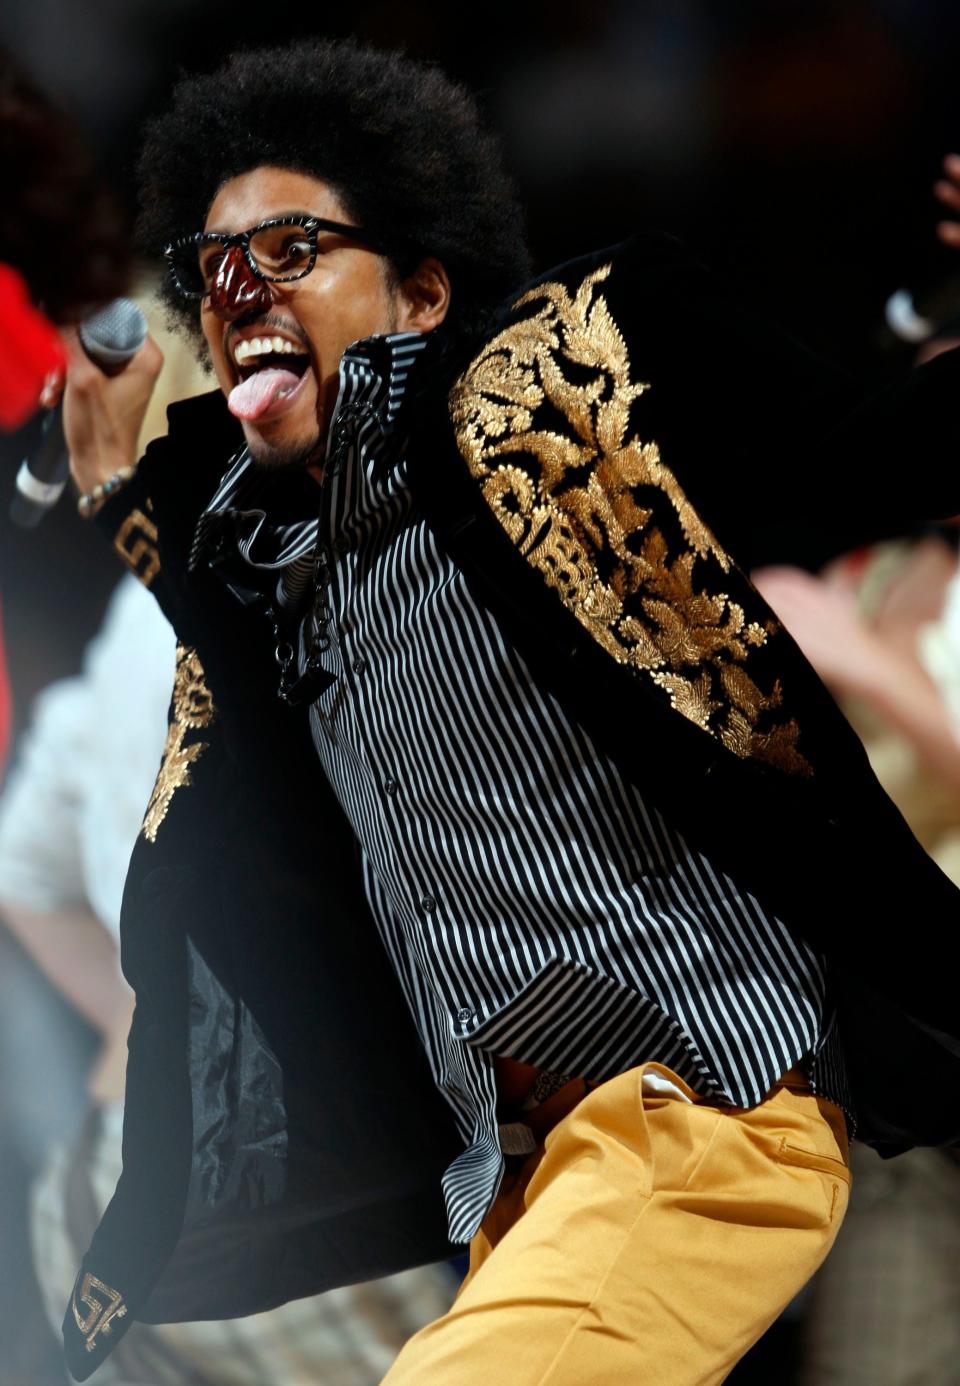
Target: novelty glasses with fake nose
(278,251)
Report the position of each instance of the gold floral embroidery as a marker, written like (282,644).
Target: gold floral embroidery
(542,418)
(193,710)
(136,543)
(101,1311)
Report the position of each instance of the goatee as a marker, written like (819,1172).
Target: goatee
(269,456)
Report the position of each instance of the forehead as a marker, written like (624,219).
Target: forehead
(270,192)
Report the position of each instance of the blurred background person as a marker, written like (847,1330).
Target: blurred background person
(54,265)
(63,250)
(885,1309)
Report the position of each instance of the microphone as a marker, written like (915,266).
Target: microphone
(110,337)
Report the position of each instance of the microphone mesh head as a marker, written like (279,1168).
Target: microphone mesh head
(115,332)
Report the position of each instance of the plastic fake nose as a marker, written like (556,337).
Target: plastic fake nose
(236,290)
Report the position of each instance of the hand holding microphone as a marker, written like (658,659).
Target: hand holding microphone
(111,372)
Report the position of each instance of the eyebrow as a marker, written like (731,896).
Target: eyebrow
(276,216)
(295,212)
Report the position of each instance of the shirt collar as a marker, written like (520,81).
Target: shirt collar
(374,378)
(270,518)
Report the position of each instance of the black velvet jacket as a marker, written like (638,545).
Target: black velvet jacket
(624,447)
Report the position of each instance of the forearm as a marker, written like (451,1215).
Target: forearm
(77,955)
(103,413)
(126,518)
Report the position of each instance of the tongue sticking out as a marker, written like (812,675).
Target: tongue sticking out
(254,396)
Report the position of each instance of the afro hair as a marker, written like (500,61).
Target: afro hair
(401,144)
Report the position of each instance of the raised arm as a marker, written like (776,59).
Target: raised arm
(103,414)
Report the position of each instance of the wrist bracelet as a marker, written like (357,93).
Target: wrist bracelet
(89,502)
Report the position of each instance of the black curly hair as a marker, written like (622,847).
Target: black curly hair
(402,145)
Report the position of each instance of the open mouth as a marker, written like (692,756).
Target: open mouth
(271,371)
(263,353)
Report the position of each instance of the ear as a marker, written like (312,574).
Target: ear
(423,297)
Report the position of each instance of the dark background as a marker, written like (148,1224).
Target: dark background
(794,144)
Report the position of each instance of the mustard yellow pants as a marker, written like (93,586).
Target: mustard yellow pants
(648,1240)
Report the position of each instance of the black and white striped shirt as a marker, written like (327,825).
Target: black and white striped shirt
(533,904)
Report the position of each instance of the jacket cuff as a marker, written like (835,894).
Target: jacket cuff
(127,519)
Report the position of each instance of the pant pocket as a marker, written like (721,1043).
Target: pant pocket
(789,1154)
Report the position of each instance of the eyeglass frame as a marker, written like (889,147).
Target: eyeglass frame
(311,225)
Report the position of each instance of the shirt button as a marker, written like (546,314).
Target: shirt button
(390,786)
(464,1015)
(428,904)
(359,664)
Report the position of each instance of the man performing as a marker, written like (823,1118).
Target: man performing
(626,857)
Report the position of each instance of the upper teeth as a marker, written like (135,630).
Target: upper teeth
(261,346)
